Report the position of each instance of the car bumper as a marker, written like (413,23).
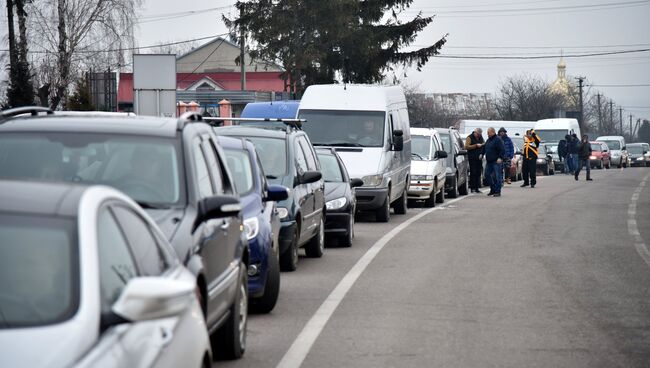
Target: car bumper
(559,166)
(287,232)
(420,189)
(615,160)
(370,198)
(634,162)
(337,224)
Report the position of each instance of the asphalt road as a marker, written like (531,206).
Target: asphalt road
(556,276)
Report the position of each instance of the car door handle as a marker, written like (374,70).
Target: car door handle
(166,336)
(225,225)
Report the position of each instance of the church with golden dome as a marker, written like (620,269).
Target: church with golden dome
(564,88)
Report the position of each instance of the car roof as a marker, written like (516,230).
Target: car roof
(78,123)
(274,109)
(252,132)
(40,198)
(635,144)
(234,143)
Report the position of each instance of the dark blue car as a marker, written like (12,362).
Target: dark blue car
(261,221)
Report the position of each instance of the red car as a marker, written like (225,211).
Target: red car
(599,155)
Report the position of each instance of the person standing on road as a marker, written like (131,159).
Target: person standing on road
(570,147)
(562,153)
(529,169)
(584,151)
(474,147)
(575,143)
(494,157)
(509,153)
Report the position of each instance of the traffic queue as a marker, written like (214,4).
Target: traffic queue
(117,229)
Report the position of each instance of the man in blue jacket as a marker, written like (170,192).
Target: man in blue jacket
(509,153)
(494,155)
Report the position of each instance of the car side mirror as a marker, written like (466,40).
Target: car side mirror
(147,298)
(462,153)
(309,177)
(215,207)
(276,193)
(356,182)
(624,148)
(398,140)
(441,154)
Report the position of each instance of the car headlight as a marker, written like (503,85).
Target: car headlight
(282,212)
(251,227)
(422,177)
(336,204)
(372,180)
(593,157)
(640,159)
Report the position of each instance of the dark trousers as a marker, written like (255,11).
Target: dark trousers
(475,168)
(529,171)
(586,164)
(493,173)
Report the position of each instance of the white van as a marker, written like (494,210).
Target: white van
(554,130)
(514,128)
(428,167)
(617,150)
(368,125)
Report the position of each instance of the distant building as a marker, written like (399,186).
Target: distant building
(219,56)
(564,88)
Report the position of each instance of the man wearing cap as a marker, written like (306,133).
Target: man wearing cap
(509,153)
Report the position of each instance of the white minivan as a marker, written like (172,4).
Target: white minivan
(617,150)
(368,125)
(554,130)
(428,167)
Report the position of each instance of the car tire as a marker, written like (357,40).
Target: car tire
(289,259)
(431,201)
(463,188)
(402,204)
(453,192)
(440,197)
(267,301)
(346,241)
(229,341)
(383,213)
(316,246)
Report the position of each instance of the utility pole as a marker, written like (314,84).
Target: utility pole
(600,121)
(580,85)
(242,53)
(631,133)
(611,117)
(620,120)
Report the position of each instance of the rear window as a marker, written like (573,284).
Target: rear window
(613,145)
(596,147)
(239,163)
(330,168)
(38,270)
(273,154)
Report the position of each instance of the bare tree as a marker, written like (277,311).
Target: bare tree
(173,48)
(76,34)
(527,98)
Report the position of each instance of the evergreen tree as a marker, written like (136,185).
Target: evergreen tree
(322,41)
(20,91)
(81,99)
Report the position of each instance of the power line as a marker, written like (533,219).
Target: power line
(619,85)
(504,57)
(553,8)
(541,47)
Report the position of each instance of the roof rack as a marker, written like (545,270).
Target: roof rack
(17,111)
(188,117)
(290,123)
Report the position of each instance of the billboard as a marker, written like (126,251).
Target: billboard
(154,84)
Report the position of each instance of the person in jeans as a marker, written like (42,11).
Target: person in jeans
(474,147)
(584,151)
(509,153)
(575,143)
(562,153)
(529,169)
(494,155)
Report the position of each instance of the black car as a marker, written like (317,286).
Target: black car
(172,168)
(340,198)
(288,159)
(456,181)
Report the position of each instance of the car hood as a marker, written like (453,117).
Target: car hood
(361,162)
(597,154)
(50,346)
(167,219)
(422,167)
(335,190)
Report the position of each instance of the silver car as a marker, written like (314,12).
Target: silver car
(88,280)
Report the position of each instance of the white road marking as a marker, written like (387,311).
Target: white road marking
(632,227)
(295,356)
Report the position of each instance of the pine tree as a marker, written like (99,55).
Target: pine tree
(20,91)
(81,99)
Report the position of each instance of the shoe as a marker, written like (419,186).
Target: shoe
(590,179)
(508,181)
(491,193)
(496,195)
(532,186)
(575,177)
(524,185)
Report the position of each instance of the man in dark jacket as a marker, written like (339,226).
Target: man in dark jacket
(474,147)
(584,151)
(562,153)
(509,153)
(572,148)
(494,155)
(529,168)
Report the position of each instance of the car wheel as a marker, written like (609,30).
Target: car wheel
(431,201)
(453,192)
(229,341)
(316,246)
(402,204)
(346,241)
(463,188)
(383,213)
(289,259)
(440,198)
(267,301)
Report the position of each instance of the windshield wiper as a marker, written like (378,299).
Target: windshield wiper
(415,154)
(152,206)
(339,144)
(271,177)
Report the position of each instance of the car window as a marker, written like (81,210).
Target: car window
(301,161)
(211,159)
(436,145)
(309,154)
(273,155)
(203,179)
(146,251)
(240,167)
(330,168)
(116,265)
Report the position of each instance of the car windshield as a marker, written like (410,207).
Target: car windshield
(344,128)
(635,150)
(273,155)
(420,147)
(596,147)
(551,135)
(38,270)
(239,163)
(519,142)
(146,169)
(541,150)
(330,168)
(613,145)
(551,149)
(446,142)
